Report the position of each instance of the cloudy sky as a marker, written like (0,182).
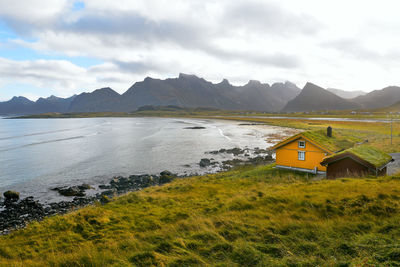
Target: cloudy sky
(63,47)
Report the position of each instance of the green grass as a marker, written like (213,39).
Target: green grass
(340,139)
(250,216)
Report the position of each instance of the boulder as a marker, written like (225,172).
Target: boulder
(165,173)
(204,162)
(11,195)
(166,177)
(110,193)
(103,186)
(235,151)
(71,191)
(84,187)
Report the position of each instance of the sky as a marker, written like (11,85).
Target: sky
(65,47)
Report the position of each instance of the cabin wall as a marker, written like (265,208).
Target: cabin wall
(348,167)
(382,172)
(287,156)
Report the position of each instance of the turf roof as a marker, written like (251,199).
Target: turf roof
(337,142)
(368,153)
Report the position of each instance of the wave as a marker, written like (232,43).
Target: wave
(55,131)
(44,142)
(223,135)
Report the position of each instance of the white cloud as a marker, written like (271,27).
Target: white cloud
(64,77)
(343,44)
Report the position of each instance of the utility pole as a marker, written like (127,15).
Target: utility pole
(391,129)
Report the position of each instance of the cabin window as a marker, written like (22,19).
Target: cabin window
(302,155)
(302,144)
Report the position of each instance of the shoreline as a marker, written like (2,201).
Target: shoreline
(15,215)
(234,133)
(18,213)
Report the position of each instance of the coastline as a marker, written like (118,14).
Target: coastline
(17,214)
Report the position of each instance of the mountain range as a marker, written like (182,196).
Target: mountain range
(22,105)
(184,91)
(190,91)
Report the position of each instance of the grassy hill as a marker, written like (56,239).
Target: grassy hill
(252,216)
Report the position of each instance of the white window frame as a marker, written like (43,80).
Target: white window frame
(301,153)
(298,144)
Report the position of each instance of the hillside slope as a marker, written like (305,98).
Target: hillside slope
(315,98)
(253,216)
(379,98)
(104,99)
(392,108)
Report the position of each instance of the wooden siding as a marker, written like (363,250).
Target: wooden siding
(287,156)
(348,167)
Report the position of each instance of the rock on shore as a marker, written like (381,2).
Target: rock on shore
(17,213)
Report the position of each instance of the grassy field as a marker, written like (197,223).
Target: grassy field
(251,216)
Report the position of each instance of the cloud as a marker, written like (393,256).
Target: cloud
(358,50)
(25,17)
(64,77)
(270,40)
(268,17)
(61,75)
(101,30)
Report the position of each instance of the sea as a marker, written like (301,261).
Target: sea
(39,154)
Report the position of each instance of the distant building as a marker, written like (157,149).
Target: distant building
(321,152)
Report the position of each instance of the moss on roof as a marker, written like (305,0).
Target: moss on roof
(368,153)
(338,141)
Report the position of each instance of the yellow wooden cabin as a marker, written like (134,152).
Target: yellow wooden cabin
(305,151)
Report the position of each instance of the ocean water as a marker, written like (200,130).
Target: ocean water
(39,154)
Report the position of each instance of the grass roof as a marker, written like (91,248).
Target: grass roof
(338,141)
(368,153)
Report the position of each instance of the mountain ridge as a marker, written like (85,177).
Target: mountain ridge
(315,98)
(191,91)
(379,98)
(186,90)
